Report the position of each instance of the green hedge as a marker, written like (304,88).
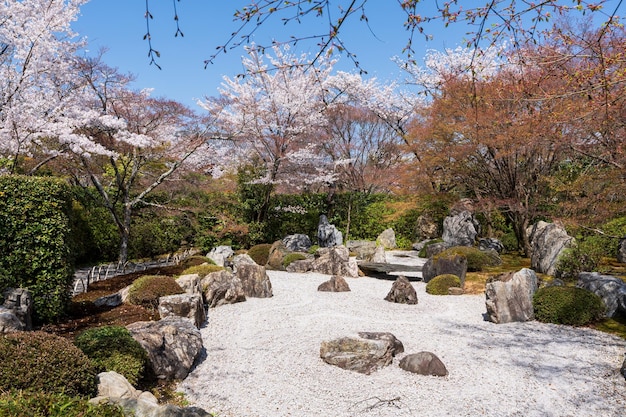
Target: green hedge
(35,241)
(567,305)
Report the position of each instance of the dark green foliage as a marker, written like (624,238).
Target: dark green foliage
(509,241)
(35,241)
(584,256)
(155,233)
(202,270)
(42,362)
(40,404)
(441,283)
(146,290)
(476,259)
(290,257)
(567,305)
(112,348)
(260,253)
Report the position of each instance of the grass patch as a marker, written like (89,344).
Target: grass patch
(615,325)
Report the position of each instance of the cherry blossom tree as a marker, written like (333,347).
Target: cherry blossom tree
(131,145)
(272,113)
(37,84)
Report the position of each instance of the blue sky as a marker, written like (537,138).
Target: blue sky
(119,25)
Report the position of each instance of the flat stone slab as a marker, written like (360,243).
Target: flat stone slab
(391,271)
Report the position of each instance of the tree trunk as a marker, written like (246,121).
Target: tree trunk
(125,234)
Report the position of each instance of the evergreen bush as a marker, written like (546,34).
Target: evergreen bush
(42,404)
(43,362)
(146,290)
(476,259)
(195,260)
(260,253)
(202,270)
(35,242)
(112,348)
(567,305)
(290,257)
(440,284)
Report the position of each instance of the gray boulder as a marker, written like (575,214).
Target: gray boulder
(19,301)
(190,283)
(490,243)
(110,301)
(435,248)
(140,408)
(255,281)
(173,344)
(387,239)
(335,261)
(440,265)
(242,259)
(460,229)
(379,256)
(364,249)
(611,289)
(426,227)
(113,385)
(301,266)
(327,234)
(220,254)
(402,292)
(621,251)
(9,322)
(297,242)
(363,353)
(423,363)
(222,287)
(548,241)
(336,283)
(189,306)
(509,297)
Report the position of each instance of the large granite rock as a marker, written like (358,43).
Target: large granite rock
(113,385)
(490,244)
(327,234)
(611,289)
(426,227)
(173,344)
(402,292)
(423,363)
(509,297)
(336,283)
(9,322)
(460,229)
(387,239)
(335,261)
(277,254)
(443,265)
(255,281)
(242,259)
(220,254)
(364,353)
(379,256)
(363,249)
(222,287)
(190,283)
(189,306)
(19,302)
(297,242)
(548,241)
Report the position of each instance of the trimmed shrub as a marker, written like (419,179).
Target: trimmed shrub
(290,257)
(195,260)
(260,253)
(35,241)
(112,348)
(202,270)
(54,405)
(441,283)
(584,256)
(146,290)
(567,305)
(476,259)
(43,362)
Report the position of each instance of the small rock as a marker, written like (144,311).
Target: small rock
(423,363)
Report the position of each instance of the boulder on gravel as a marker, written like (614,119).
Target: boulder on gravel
(189,306)
(336,283)
(402,292)
(363,353)
(509,297)
(423,363)
(222,287)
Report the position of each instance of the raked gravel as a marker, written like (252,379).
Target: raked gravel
(262,358)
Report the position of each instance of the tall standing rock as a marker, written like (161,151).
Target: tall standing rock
(255,281)
(327,234)
(548,241)
(460,229)
(509,297)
